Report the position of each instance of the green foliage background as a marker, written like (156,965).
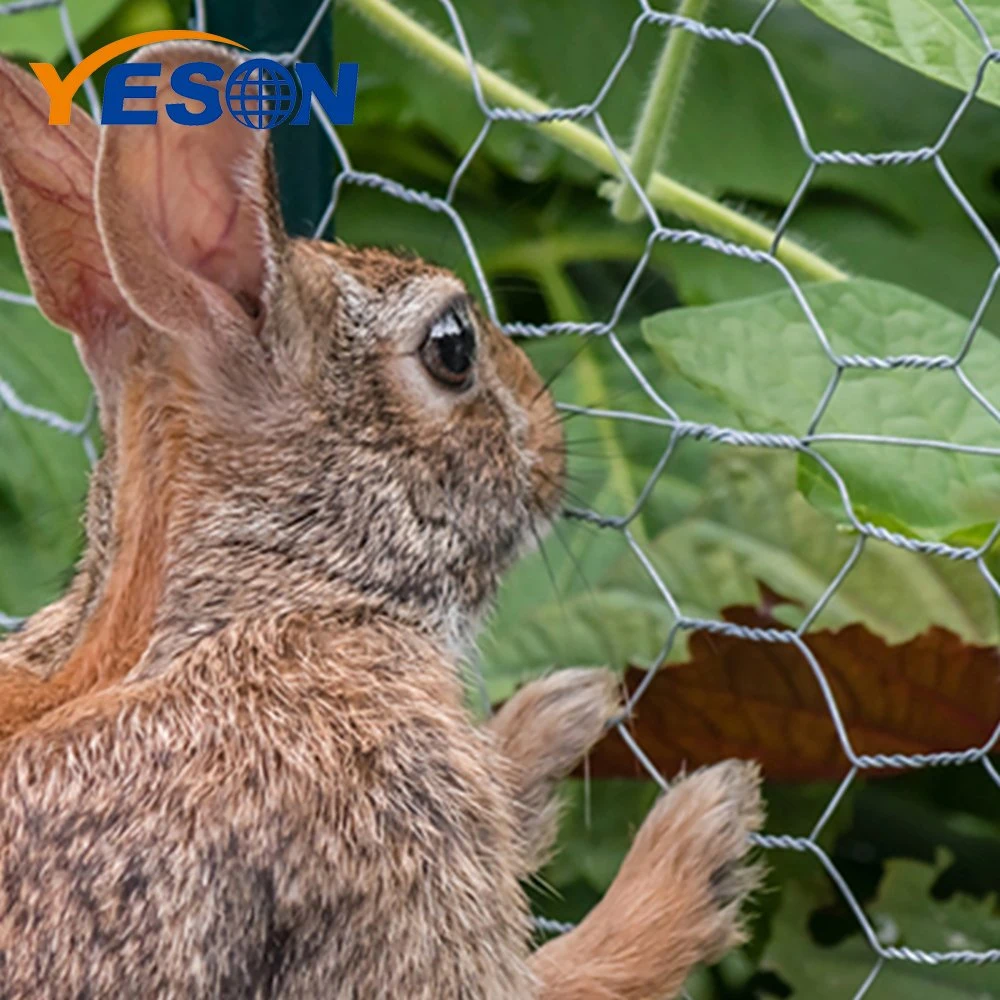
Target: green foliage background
(724,342)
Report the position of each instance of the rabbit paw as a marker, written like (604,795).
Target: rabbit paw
(692,851)
(542,733)
(676,899)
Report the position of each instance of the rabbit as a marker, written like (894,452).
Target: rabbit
(556,720)
(323,460)
(563,716)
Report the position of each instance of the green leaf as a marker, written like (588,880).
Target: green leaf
(905,914)
(43,472)
(752,526)
(762,359)
(931,36)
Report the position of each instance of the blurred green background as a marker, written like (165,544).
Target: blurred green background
(724,343)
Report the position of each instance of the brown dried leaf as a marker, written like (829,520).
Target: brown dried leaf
(738,698)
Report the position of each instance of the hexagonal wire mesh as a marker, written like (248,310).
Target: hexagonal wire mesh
(670,423)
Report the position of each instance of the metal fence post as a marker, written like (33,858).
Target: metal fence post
(305,157)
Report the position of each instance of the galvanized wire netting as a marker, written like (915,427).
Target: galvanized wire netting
(667,420)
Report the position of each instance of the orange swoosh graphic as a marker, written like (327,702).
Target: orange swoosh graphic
(61,91)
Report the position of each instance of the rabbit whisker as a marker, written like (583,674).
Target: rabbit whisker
(568,493)
(547,384)
(571,555)
(551,574)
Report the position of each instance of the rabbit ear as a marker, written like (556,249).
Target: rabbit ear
(47,179)
(189,215)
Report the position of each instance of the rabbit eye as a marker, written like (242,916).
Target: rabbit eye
(449,350)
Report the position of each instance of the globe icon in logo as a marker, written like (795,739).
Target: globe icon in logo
(261,93)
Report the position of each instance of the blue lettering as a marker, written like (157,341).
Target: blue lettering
(245,102)
(192,90)
(117,91)
(339,104)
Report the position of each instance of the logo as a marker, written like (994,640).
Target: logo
(259,93)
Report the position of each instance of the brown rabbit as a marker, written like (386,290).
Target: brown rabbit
(557,720)
(542,733)
(323,460)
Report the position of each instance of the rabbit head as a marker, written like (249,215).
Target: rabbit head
(296,423)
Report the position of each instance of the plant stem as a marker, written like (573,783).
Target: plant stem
(664,192)
(659,113)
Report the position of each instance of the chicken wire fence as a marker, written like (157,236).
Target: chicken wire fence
(667,420)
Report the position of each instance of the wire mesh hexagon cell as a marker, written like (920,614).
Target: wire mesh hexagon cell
(666,420)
